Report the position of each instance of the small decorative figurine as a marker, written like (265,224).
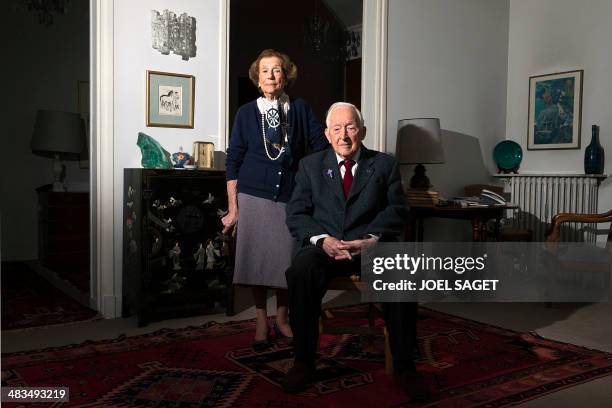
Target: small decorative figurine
(175,255)
(210,255)
(200,258)
(173,202)
(216,284)
(169,226)
(209,199)
(174,284)
(156,246)
(180,158)
(133,246)
(225,249)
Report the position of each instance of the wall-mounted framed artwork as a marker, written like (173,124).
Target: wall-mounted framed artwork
(172,33)
(555,111)
(170,99)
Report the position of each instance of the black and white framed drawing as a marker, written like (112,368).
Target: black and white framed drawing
(170,99)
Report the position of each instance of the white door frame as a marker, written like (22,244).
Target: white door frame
(374,72)
(224,30)
(105,294)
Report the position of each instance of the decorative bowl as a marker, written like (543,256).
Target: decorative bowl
(508,155)
(180,159)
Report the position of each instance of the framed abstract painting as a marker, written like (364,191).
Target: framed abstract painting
(170,99)
(555,110)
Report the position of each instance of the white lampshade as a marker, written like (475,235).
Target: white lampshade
(58,132)
(419,141)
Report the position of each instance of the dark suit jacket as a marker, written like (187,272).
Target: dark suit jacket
(376,203)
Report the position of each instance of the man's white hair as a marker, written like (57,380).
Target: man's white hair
(344,105)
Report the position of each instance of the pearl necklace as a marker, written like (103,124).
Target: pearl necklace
(265,107)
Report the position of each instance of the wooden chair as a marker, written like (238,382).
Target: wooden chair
(596,267)
(354,284)
(554,232)
(507,233)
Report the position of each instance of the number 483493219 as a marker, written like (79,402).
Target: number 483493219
(35,394)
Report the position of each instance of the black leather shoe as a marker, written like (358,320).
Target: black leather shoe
(298,378)
(260,345)
(414,386)
(280,335)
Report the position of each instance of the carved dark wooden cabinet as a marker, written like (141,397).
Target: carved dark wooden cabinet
(63,234)
(176,262)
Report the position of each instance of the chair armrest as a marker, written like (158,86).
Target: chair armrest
(554,232)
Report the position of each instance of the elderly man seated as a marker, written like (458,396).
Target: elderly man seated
(345,198)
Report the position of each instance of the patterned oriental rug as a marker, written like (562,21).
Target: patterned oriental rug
(468,364)
(28,300)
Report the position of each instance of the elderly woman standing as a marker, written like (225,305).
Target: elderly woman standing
(269,137)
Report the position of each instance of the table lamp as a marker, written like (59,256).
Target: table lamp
(58,134)
(419,142)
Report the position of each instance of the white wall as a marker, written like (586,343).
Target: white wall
(549,36)
(448,59)
(133,56)
(42,66)
(466,62)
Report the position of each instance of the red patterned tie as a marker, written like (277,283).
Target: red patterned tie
(347,181)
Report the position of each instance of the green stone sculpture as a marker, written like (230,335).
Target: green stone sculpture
(153,155)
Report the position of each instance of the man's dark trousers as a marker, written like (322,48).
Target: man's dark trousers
(307,279)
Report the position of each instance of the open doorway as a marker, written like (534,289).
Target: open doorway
(45,233)
(314,34)
(322,37)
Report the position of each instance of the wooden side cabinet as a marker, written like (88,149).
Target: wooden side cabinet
(63,230)
(176,262)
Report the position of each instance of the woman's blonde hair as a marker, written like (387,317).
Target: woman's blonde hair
(289,68)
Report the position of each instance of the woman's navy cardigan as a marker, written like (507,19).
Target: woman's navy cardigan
(248,163)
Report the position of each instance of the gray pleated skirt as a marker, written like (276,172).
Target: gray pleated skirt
(263,244)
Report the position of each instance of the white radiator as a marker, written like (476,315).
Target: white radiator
(542,196)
